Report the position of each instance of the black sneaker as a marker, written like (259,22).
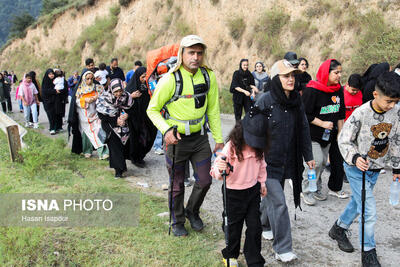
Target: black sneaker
(195,222)
(118,174)
(139,163)
(339,234)
(369,259)
(179,230)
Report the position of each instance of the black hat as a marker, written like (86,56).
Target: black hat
(255,129)
(292,58)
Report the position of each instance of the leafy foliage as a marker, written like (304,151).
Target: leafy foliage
(15,8)
(20,23)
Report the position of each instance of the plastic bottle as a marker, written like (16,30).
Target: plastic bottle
(394,192)
(326,135)
(312,180)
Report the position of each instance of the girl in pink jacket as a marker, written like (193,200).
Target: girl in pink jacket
(244,150)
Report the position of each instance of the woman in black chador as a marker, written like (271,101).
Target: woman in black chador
(143,131)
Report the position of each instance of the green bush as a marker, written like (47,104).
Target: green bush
(318,8)
(267,31)
(183,28)
(225,101)
(236,26)
(125,3)
(20,23)
(378,42)
(302,31)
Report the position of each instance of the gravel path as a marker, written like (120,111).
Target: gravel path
(310,240)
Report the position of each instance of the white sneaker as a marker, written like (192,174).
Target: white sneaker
(27,124)
(35,125)
(340,194)
(52,132)
(159,151)
(286,257)
(268,235)
(382,171)
(87,155)
(232,262)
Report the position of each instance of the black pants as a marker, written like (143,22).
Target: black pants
(55,120)
(4,105)
(195,148)
(238,107)
(118,153)
(9,104)
(335,182)
(244,205)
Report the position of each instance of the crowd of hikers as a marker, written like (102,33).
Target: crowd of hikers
(292,124)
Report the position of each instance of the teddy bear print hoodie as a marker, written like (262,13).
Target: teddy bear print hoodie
(377,135)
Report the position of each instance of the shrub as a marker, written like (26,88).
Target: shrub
(49,5)
(378,42)
(268,29)
(302,31)
(20,23)
(318,8)
(214,2)
(125,3)
(183,28)
(236,26)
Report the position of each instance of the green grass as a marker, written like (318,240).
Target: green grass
(50,167)
(225,101)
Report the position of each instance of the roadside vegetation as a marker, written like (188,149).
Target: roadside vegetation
(49,167)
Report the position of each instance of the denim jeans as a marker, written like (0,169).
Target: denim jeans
(353,209)
(27,112)
(158,141)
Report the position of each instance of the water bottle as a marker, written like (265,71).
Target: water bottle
(394,192)
(312,180)
(326,135)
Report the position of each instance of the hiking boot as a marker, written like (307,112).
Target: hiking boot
(319,195)
(308,199)
(285,257)
(339,234)
(339,194)
(195,222)
(179,230)
(268,235)
(232,262)
(370,259)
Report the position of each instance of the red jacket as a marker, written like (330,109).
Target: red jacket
(352,102)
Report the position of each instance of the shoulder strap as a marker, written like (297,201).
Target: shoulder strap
(206,77)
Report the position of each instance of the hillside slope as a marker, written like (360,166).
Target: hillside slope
(233,29)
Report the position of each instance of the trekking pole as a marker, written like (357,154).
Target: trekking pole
(226,226)
(362,211)
(172,179)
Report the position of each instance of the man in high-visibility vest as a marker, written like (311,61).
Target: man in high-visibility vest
(186,95)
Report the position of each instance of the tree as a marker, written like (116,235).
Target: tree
(20,23)
(50,5)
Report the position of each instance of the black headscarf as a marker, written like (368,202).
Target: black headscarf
(242,78)
(370,77)
(143,131)
(47,85)
(292,102)
(135,83)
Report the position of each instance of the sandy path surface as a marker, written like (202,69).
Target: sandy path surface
(310,231)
